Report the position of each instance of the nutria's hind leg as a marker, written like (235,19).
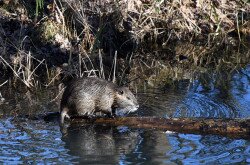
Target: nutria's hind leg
(64,113)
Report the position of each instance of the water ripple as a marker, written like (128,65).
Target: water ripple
(31,141)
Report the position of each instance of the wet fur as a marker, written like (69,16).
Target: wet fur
(86,96)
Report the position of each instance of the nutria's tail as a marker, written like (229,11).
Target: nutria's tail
(64,113)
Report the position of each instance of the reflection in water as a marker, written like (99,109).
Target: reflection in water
(98,144)
(222,96)
(209,149)
(218,98)
(35,141)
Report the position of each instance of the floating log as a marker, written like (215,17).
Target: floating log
(236,128)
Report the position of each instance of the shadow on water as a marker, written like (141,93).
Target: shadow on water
(212,95)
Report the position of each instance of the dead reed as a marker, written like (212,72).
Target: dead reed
(102,28)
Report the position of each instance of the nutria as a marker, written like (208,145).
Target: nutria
(86,96)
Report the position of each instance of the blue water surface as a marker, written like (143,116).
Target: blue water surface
(28,141)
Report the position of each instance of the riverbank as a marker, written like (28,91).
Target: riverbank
(45,43)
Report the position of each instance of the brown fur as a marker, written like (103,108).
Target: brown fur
(86,96)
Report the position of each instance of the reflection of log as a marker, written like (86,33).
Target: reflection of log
(238,128)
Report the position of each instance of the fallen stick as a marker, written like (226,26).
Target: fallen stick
(236,128)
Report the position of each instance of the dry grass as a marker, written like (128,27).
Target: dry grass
(98,26)
(22,63)
(161,20)
(3,83)
(23,69)
(155,24)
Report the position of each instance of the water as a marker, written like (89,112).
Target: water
(27,141)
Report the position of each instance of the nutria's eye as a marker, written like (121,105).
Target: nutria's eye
(128,98)
(121,92)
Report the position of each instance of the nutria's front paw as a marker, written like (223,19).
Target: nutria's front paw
(112,116)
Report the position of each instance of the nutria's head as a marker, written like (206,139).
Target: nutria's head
(126,100)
